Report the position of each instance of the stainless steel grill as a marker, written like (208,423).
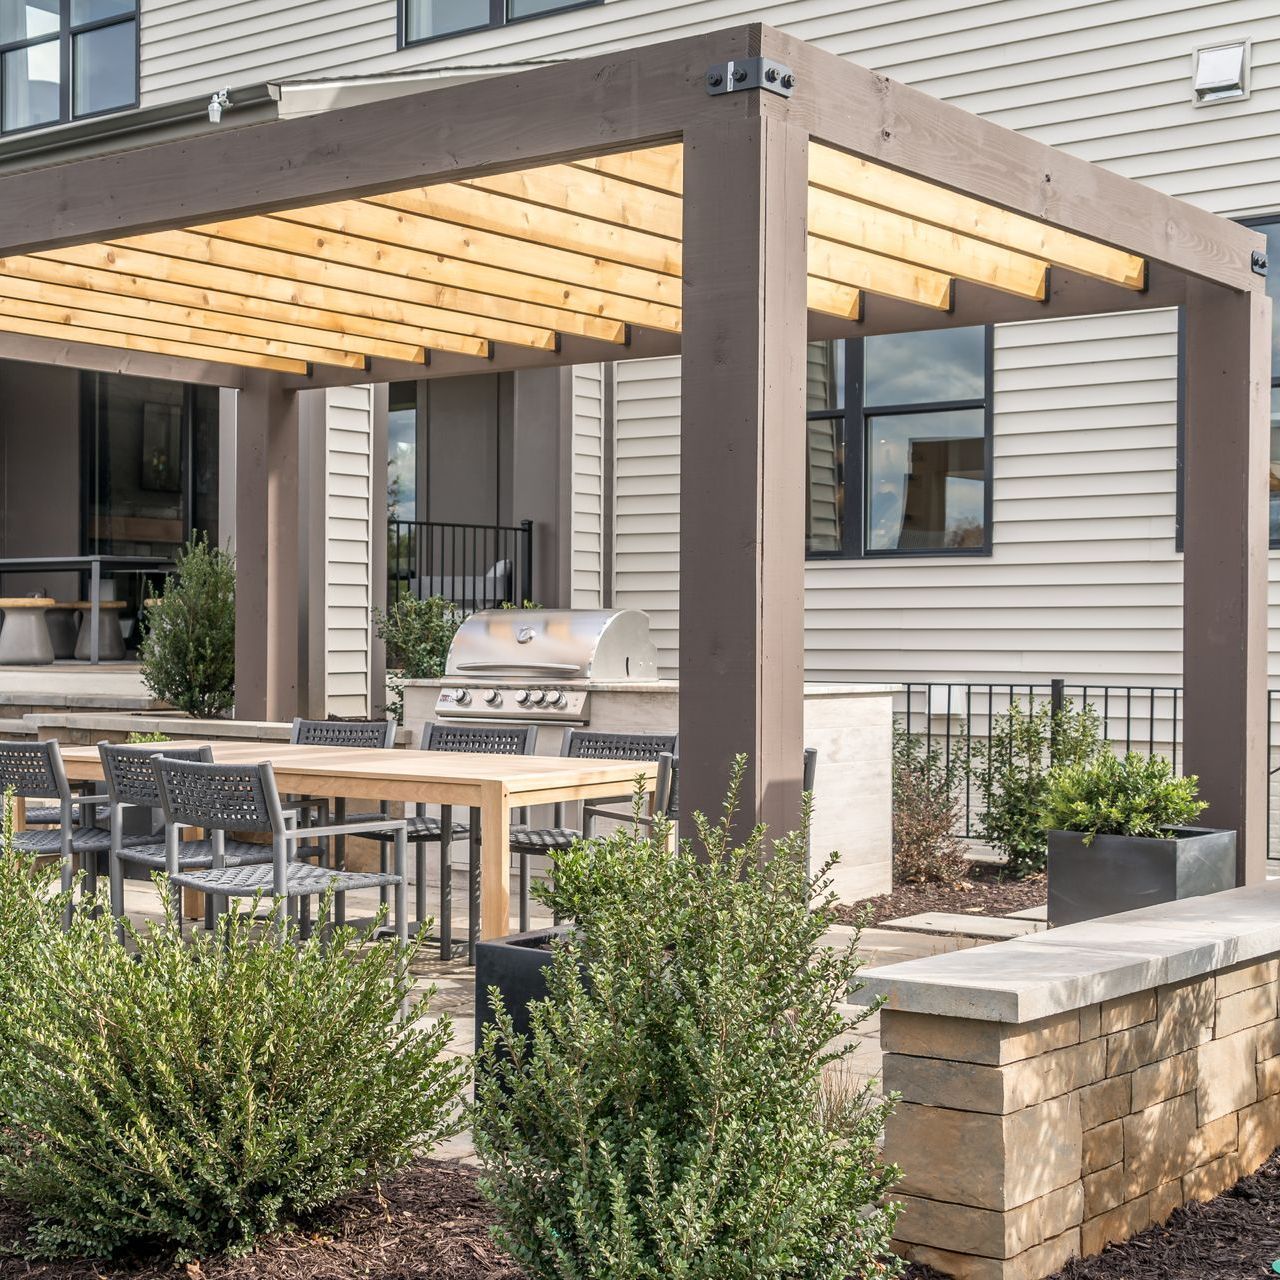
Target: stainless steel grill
(540,665)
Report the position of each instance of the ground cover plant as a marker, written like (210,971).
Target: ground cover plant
(1010,770)
(927,812)
(671,1113)
(194,1096)
(188,648)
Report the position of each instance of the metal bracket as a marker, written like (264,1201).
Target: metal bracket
(1258,263)
(751,73)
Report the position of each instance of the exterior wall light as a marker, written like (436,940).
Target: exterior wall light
(219,100)
(1220,72)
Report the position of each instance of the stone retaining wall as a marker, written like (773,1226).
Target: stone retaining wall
(1023,1145)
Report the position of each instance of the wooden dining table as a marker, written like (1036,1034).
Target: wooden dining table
(491,784)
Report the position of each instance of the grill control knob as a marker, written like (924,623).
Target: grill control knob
(537,697)
(492,697)
(461,697)
(522,697)
(556,698)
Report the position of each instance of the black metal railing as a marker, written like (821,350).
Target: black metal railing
(474,566)
(951,717)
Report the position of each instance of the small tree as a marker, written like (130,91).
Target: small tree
(667,1116)
(189,634)
(926,812)
(1011,770)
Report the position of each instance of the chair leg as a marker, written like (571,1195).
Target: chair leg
(524,892)
(115,884)
(340,863)
(446,896)
(402,921)
(473,888)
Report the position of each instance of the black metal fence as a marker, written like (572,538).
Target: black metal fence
(475,566)
(952,717)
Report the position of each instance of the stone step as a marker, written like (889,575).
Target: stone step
(1031,913)
(949,923)
(10,728)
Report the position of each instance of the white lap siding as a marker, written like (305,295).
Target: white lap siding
(587,560)
(348,550)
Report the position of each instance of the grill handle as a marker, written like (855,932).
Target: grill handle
(556,668)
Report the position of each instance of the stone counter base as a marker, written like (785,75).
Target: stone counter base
(1025,1145)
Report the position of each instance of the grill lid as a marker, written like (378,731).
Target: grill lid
(554,644)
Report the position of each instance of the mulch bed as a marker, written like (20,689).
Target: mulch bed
(986,891)
(1235,1237)
(428,1221)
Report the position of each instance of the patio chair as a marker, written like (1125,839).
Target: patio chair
(222,798)
(502,740)
(354,734)
(131,781)
(589,744)
(35,769)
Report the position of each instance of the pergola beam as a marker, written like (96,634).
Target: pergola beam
(865,113)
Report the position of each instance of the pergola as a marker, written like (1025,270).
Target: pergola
(728,196)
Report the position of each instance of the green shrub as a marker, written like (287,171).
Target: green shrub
(667,1116)
(196,1095)
(1135,795)
(138,739)
(418,634)
(188,649)
(1011,771)
(926,812)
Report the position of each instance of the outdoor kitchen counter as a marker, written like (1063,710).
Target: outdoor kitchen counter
(849,725)
(1064,969)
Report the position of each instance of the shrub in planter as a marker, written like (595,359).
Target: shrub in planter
(417,634)
(1120,838)
(188,649)
(926,812)
(667,1115)
(1010,770)
(189,1098)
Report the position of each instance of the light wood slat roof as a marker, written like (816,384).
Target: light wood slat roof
(590,249)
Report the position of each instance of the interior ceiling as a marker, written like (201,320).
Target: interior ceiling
(589,249)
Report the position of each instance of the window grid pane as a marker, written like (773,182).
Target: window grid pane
(531,8)
(27,20)
(427,19)
(32,86)
(105,74)
(86,11)
(926,481)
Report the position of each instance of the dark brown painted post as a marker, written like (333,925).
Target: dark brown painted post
(1226,454)
(742,458)
(267,551)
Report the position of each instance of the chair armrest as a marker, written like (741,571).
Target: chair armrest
(616,815)
(346,829)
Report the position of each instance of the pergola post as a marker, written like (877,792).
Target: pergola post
(267,550)
(1225,535)
(742,448)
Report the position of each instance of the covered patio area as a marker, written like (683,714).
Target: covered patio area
(727,196)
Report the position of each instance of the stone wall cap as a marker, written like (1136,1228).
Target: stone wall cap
(1035,977)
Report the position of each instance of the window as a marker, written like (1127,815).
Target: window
(402,451)
(431,19)
(64,59)
(899,445)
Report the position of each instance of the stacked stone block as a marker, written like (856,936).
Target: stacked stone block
(1024,1145)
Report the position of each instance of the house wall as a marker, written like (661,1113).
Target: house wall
(39,472)
(1085,579)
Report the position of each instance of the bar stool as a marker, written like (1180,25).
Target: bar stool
(24,638)
(110,641)
(64,626)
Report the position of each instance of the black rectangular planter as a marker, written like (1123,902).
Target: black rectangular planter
(1121,873)
(514,965)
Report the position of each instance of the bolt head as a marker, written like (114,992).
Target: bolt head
(789,80)
(739,74)
(771,75)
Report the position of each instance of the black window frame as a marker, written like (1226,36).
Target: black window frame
(66,40)
(497,18)
(851,458)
